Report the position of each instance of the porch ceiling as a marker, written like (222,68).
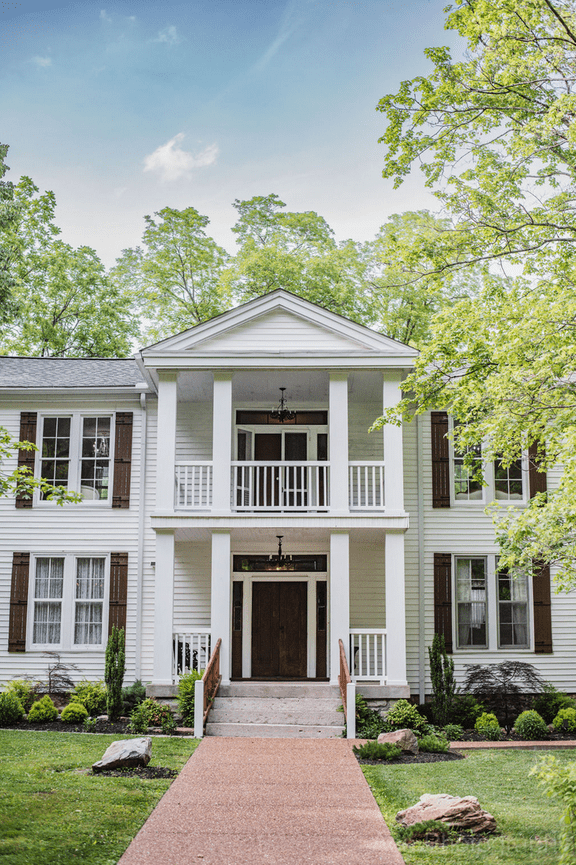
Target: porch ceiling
(294,540)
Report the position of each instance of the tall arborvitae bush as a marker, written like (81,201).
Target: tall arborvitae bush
(114,672)
(443,683)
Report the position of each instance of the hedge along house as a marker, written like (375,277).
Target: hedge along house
(197,456)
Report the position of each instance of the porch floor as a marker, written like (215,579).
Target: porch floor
(274,801)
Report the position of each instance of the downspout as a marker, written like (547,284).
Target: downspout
(421,562)
(141,518)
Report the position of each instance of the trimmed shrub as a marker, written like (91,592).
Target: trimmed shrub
(375,751)
(405,715)
(433,744)
(465,710)
(24,690)
(132,696)
(530,725)
(42,711)
(565,720)
(550,701)
(487,725)
(186,687)
(74,713)
(560,781)
(11,709)
(431,831)
(443,682)
(453,732)
(92,695)
(151,714)
(114,666)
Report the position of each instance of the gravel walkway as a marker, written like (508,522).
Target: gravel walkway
(272,801)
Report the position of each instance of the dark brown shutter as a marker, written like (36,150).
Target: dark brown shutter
(542,609)
(122,459)
(18,602)
(440,460)
(28,423)
(118,590)
(537,479)
(443,597)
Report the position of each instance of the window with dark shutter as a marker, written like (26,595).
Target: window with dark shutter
(122,459)
(440,460)
(118,590)
(27,459)
(18,602)
(443,597)
(542,609)
(536,478)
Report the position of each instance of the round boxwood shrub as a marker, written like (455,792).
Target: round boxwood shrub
(24,690)
(487,725)
(433,744)
(11,709)
(565,720)
(531,725)
(550,701)
(74,713)
(405,715)
(42,711)
(92,695)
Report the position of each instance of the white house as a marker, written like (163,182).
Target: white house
(197,455)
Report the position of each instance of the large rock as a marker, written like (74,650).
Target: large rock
(126,752)
(404,738)
(461,813)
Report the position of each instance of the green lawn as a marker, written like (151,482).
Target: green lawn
(52,812)
(528,821)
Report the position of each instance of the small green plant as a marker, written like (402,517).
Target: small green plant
(433,744)
(465,710)
(24,690)
(550,701)
(132,696)
(487,725)
(74,713)
(376,751)
(92,695)
(530,725)
(405,715)
(560,781)
(443,682)
(151,714)
(454,732)
(115,664)
(42,711)
(89,725)
(432,831)
(11,709)
(186,688)
(565,720)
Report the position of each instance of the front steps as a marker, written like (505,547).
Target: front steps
(306,710)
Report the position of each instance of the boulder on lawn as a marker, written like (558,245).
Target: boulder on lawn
(126,752)
(404,738)
(460,813)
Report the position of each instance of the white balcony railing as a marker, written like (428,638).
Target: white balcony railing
(190,651)
(194,485)
(366,486)
(268,486)
(368,655)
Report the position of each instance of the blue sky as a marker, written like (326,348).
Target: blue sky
(122,108)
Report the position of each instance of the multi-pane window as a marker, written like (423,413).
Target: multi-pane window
(466,487)
(56,450)
(75,454)
(95,457)
(471,602)
(89,601)
(512,609)
(508,480)
(48,593)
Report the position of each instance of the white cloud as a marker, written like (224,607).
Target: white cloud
(104,16)
(42,61)
(173,163)
(169,36)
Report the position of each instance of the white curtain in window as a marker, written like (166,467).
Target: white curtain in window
(89,595)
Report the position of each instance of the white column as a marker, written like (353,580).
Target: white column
(166,444)
(395,609)
(163,607)
(338,432)
(221,441)
(393,459)
(339,599)
(220,604)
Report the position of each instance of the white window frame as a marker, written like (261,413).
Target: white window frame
(492,609)
(75,459)
(68,615)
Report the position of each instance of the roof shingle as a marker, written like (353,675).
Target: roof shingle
(62,372)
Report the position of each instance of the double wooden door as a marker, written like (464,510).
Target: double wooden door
(279,630)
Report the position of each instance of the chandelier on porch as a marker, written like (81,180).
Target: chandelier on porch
(279,560)
(282,413)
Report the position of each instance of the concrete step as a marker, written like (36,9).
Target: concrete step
(279,689)
(276,710)
(274,731)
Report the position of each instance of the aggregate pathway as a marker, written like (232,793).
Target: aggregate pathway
(269,801)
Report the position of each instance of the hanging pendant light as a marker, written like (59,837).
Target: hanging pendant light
(281,413)
(279,560)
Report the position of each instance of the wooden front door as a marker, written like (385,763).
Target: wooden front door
(279,630)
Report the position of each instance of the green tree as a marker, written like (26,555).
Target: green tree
(114,667)
(175,274)
(8,215)
(495,136)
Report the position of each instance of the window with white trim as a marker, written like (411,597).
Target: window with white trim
(500,482)
(471,602)
(512,610)
(75,453)
(508,481)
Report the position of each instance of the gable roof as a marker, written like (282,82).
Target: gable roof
(64,372)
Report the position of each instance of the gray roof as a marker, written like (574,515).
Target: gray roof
(53,372)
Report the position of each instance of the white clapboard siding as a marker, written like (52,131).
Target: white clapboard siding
(192,586)
(367,585)
(363,445)
(76,529)
(194,431)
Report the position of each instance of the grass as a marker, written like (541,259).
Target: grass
(53,812)
(528,821)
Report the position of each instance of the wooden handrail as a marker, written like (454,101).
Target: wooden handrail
(211,679)
(344,678)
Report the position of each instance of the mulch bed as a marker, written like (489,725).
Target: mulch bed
(147,772)
(119,728)
(555,736)
(407,757)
